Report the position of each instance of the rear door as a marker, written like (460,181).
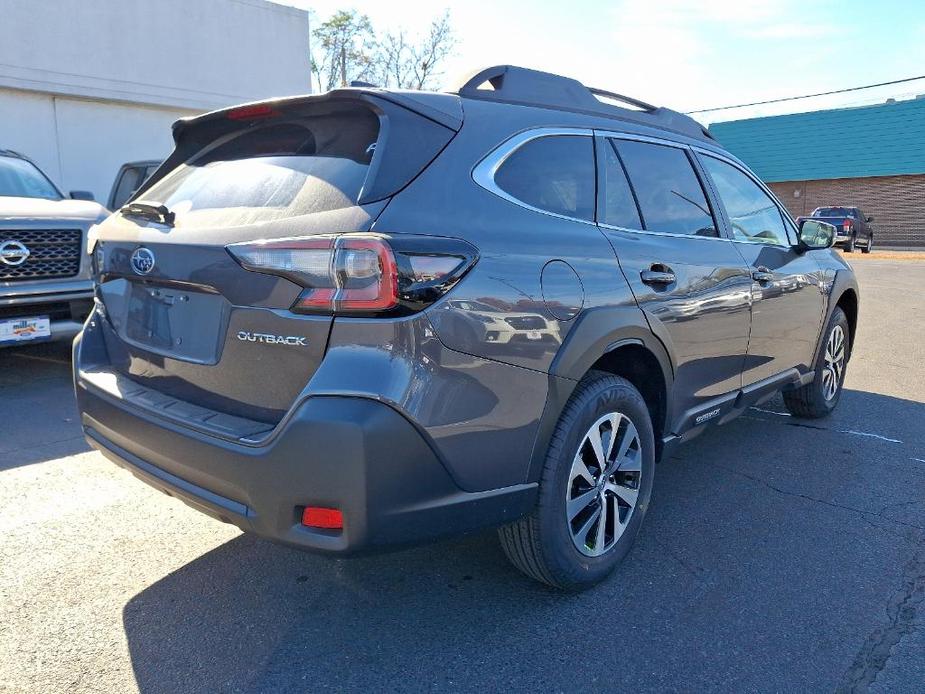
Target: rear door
(688,279)
(787,286)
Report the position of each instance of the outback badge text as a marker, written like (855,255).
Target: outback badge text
(267,339)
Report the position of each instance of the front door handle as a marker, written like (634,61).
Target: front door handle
(762,274)
(658,274)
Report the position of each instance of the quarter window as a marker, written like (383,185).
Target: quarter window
(553,173)
(670,196)
(754,216)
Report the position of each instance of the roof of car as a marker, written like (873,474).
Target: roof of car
(500,84)
(510,84)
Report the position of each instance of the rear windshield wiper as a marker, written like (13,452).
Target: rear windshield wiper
(154,211)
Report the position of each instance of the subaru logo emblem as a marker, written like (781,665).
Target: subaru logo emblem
(13,253)
(142,261)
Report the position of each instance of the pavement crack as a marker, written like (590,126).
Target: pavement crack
(861,512)
(902,608)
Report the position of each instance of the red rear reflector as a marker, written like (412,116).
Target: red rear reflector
(252,112)
(327,518)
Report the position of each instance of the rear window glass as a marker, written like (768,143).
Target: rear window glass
(273,171)
(553,173)
(670,196)
(835,212)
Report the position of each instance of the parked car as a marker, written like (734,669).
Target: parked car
(285,332)
(852,226)
(129,179)
(46,290)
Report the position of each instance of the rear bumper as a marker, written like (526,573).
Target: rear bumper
(350,453)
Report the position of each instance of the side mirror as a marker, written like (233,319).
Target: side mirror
(815,235)
(82,195)
(870,219)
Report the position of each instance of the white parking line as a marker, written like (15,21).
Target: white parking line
(873,436)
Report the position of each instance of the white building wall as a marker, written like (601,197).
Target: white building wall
(87,85)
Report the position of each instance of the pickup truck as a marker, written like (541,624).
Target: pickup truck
(46,290)
(852,225)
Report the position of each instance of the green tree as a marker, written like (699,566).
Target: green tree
(342,50)
(345,48)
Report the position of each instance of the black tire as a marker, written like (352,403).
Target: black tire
(870,244)
(849,246)
(811,401)
(541,544)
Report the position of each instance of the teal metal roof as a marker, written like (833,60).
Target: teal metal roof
(881,140)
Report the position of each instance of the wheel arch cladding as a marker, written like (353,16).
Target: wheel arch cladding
(638,364)
(848,302)
(630,350)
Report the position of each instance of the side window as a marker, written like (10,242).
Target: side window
(553,173)
(754,216)
(618,207)
(670,196)
(128,184)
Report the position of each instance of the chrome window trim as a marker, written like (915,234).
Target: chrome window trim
(484,172)
(670,234)
(785,215)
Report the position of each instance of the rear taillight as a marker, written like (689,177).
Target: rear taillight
(362,274)
(847,226)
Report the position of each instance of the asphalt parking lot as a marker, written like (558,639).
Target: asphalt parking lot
(778,555)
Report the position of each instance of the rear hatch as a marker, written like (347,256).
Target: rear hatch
(182,316)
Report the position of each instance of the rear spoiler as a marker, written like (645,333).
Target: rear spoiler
(445,109)
(441,112)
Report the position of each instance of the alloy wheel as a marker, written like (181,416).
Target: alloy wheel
(834,362)
(603,484)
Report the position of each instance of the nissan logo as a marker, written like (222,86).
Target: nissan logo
(142,261)
(13,253)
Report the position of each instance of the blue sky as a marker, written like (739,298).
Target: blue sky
(685,54)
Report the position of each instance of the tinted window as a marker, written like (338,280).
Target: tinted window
(128,184)
(670,196)
(554,173)
(835,212)
(618,208)
(274,171)
(753,214)
(21,179)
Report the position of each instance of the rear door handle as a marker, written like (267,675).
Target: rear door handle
(762,274)
(658,274)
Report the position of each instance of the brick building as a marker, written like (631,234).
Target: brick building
(872,157)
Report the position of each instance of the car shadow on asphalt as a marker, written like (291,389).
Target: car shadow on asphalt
(768,530)
(254,616)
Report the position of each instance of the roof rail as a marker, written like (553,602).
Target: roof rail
(518,85)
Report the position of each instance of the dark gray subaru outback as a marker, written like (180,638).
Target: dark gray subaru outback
(374,317)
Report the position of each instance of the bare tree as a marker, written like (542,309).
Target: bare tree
(345,49)
(399,62)
(342,50)
(429,55)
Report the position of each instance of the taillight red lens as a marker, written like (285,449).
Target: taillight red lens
(847,225)
(361,274)
(366,274)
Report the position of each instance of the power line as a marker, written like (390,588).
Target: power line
(807,96)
